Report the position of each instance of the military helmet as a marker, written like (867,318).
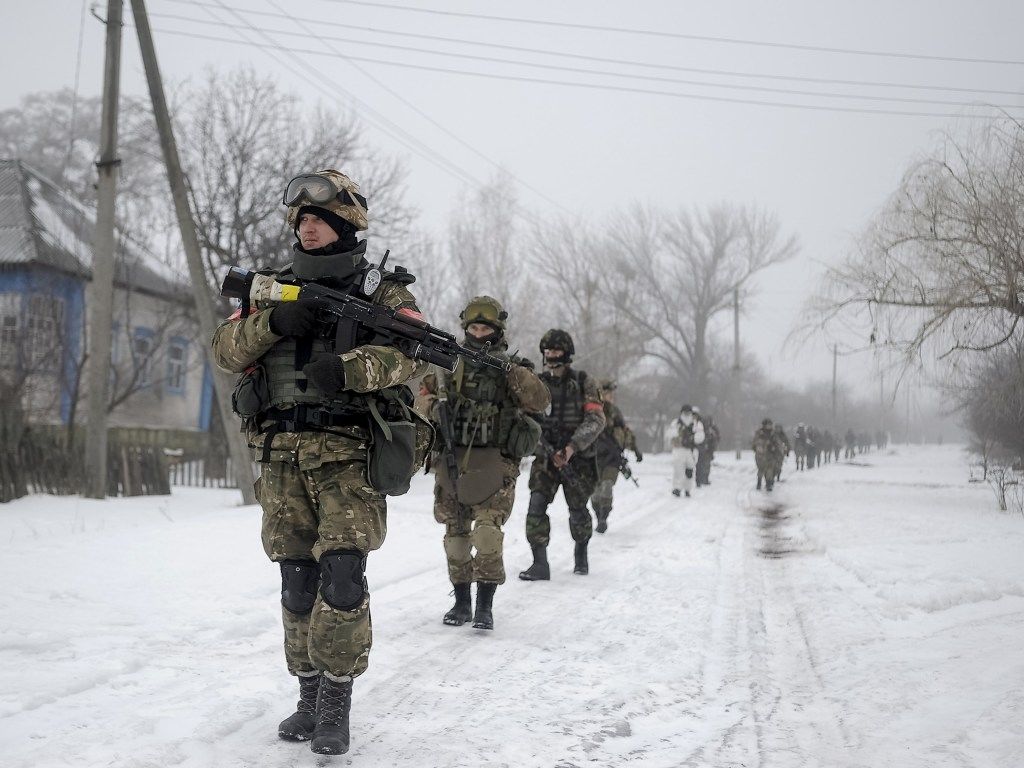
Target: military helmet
(607,385)
(330,190)
(686,409)
(486,310)
(556,338)
(766,422)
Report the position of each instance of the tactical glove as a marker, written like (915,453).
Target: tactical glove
(294,318)
(327,373)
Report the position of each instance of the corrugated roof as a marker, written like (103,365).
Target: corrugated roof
(42,224)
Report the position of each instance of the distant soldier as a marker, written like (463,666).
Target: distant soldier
(485,430)
(706,450)
(565,457)
(837,446)
(826,446)
(616,438)
(768,453)
(800,445)
(689,435)
(783,440)
(813,447)
(851,444)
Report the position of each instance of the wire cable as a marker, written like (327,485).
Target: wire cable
(603,73)
(426,116)
(590,86)
(599,59)
(681,35)
(383,123)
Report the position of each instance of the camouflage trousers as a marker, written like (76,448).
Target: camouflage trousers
(602,498)
(306,513)
(768,468)
(469,527)
(545,480)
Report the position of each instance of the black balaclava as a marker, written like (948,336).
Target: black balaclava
(339,260)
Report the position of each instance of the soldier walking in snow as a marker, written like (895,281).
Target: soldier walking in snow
(616,438)
(689,435)
(307,407)
(485,430)
(566,455)
(783,440)
(768,453)
(706,450)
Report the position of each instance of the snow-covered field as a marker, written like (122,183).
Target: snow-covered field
(862,615)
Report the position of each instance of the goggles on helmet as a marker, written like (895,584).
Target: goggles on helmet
(483,312)
(317,190)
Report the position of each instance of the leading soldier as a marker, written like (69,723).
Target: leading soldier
(768,454)
(616,438)
(689,435)
(307,408)
(485,432)
(566,455)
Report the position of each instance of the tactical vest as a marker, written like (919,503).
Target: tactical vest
(685,433)
(567,401)
(481,403)
(288,385)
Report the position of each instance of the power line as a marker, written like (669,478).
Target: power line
(590,86)
(681,35)
(600,59)
(627,75)
(383,123)
(428,118)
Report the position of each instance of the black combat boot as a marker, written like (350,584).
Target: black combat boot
(299,726)
(462,611)
(330,736)
(602,523)
(676,492)
(582,567)
(539,571)
(483,619)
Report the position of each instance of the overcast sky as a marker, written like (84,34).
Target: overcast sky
(593,150)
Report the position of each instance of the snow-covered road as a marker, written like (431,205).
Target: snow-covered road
(866,614)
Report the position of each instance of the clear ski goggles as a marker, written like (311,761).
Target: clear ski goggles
(318,190)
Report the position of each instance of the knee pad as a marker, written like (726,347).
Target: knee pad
(342,585)
(298,585)
(689,473)
(579,515)
(538,505)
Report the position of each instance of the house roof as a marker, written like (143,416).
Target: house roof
(42,224)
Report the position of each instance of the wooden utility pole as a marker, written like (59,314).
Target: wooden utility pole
(101,288)
(835,368)
(737,408)
(239,451)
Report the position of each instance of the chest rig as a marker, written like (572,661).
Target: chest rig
(567,401)
(483,410)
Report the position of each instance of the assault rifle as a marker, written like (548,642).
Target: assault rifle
(444,419)
(627,471)
(412,336)
(568,473)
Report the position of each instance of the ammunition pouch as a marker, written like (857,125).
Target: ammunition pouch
(400,440)
(523,435)
(251,395)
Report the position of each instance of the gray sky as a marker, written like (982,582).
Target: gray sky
(593,151)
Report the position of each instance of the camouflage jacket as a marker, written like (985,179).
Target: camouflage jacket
(616,437)
(239,341)
(767,445)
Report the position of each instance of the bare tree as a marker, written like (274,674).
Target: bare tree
(680,270)
(941,264)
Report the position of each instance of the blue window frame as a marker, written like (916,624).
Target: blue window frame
(177,365)
(143,352)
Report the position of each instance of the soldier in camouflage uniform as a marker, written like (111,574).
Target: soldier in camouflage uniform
(706,450)
(487,411)
(616,438)
(566,456)
(768,454)
(321,515)
(783,440)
